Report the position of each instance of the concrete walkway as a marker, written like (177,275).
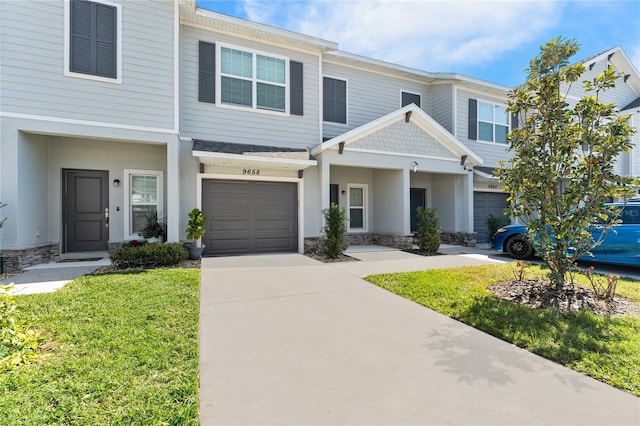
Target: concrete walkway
(49,277)
(286,340)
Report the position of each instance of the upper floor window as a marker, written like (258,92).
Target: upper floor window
(334,100)
(92,45)
(411,98)
(252,80)
(488,122)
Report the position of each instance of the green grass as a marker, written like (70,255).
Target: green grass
(119,349)
(606,349)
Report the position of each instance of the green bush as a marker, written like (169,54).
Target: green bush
(141,255)
(428,233)
(18,344)
(335,226)
(495,222)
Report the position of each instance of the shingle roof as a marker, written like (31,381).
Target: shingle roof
(634,104)
(248,149)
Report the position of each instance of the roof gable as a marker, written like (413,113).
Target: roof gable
(408,130)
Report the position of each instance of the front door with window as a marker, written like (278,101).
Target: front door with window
(85,210)
(417,199)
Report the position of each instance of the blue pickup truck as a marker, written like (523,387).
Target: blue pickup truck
(620,246)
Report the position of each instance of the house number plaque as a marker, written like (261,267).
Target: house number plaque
(252,172)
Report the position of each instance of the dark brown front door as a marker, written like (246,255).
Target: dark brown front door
(85,207)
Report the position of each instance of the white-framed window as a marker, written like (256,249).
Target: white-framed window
(251,79)
(357,207)
(143,191)
(493,122)
(93,40)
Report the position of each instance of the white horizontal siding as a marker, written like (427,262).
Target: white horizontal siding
(370,96)
(32,68)
(209,121)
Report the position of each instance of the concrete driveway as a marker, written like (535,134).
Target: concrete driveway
(288,340)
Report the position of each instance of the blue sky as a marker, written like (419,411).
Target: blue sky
(490,40)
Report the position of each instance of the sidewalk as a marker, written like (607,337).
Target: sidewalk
(49,277)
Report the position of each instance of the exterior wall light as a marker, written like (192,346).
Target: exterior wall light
(116,182)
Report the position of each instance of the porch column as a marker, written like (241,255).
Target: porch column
(173,190)
(406,198)
(325,180)
(468,202)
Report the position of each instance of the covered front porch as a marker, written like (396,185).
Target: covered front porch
(382,172)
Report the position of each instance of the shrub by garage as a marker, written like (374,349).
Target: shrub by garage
(141,255)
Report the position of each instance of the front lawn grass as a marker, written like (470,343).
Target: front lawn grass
(604,348)
(118,348)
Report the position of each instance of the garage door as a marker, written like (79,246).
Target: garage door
(485,204)
(244,217)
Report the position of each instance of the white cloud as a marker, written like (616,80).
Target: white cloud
(431,35)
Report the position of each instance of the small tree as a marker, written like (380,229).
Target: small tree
(563,166)
(495,222)
(335,226)
(428,233)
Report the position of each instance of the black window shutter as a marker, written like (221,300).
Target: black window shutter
(296,93)
(106,40)
(473,119)
(514,120)
(81,40)
(93,38)
(327,104)
(207,72)
(333,193)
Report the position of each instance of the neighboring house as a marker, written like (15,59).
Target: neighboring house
(110,109)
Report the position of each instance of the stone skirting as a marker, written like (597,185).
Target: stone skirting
(403,242)
(314,245)
(16,260)
(466,239)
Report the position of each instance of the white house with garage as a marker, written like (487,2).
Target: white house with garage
(113,109)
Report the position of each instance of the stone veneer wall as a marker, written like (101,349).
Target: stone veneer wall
(314,245)
(16,260)
(466,239)
(403,242)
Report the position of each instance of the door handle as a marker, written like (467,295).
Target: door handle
(106,217)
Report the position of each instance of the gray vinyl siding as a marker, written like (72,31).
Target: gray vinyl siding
(622,95)
(32,68)
(442,105)
(210,121)
(489,152)
(369,96)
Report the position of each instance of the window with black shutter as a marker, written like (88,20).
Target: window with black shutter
(93,38)
(334,100)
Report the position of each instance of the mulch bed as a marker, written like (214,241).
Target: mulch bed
(322,258)
(111,269)
(422,253)
(540,294)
